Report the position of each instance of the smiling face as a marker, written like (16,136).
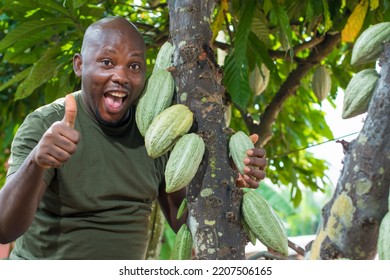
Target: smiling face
(112,69)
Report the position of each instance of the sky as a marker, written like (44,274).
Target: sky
(331,151)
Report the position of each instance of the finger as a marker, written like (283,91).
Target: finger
(251,182)
(254,138)
(256,162)
(70,111)
(254,173)
(256,152)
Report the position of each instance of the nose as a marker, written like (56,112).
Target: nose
(120,76)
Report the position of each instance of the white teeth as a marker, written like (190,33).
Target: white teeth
(118,94)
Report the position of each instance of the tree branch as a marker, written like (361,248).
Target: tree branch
(289,88)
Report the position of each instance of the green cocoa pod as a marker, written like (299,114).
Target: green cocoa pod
(239,143)
(183,162)
(182,248)
(164,57)
(156,97)
(251,236)
(182,208)
(384,238)
(259,79)
(358,93)
(264,222)
(369,45)
(166,128)
(321,82)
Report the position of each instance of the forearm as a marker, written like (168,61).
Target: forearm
(19,199)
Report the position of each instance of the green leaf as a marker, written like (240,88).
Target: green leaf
(43,70)
(17,78)
(78,3)
(258,48)
(236,64)
(28,28)
(285,35)
(236,80)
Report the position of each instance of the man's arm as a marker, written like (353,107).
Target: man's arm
(19,199)
(170,203)
(23,190)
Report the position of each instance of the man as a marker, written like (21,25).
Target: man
(80,184)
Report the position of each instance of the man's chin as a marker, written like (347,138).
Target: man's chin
(110,123)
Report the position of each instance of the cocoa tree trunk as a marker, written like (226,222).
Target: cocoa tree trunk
(213,200)
(352,218)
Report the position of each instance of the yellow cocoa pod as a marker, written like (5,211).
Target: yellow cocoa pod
(358,93)
(384,238)
(166,128)
(321,82)
(164,57)
(264,222)
(183,162)
(156,97)
(182,248)
(239,143)
(259,79)
(369,45)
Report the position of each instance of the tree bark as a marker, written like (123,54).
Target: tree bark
(213,199)
(352,218)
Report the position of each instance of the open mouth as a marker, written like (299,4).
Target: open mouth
(115,99)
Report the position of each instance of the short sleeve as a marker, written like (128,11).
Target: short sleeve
(25,140)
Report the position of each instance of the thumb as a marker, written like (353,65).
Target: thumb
(70,111)
(254,138)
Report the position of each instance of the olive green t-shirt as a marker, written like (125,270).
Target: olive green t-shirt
(97,205)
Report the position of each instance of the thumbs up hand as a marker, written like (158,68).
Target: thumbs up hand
(70,111)
(59,142)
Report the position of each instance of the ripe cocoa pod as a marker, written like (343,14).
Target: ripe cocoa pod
(369,45)
(264,222)
(239,143)
(166,128)
(321,82)
(164,57)
(183,162)
(384,238)
(258,80)
(156,97)
(358,93)
(182,248)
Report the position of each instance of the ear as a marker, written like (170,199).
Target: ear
(77,64)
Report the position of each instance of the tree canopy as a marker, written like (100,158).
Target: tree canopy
(288,40)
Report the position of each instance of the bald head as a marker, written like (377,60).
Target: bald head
(116,24)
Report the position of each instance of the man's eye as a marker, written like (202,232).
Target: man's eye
(106,62)
(135,66)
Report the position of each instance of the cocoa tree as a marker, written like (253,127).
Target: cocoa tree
(213,199)
(352,218)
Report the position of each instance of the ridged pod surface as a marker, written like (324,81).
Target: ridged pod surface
(183,161)
(384,238)
(182,248)
(239,143)
(264,222)
(157,96)
(358,93)
(321,82)
(164,57)
(369,45)
(166,128)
